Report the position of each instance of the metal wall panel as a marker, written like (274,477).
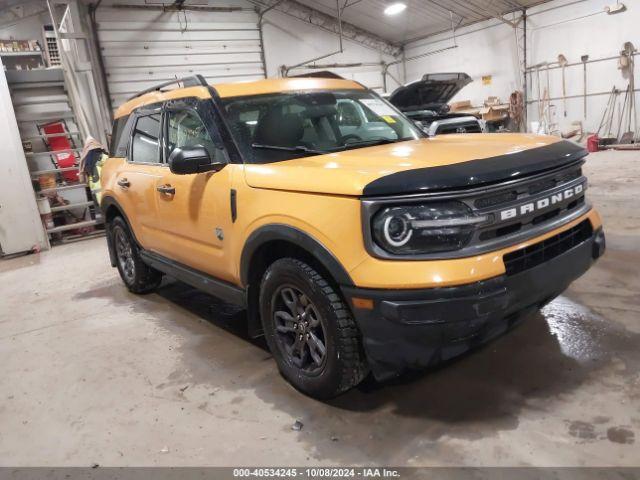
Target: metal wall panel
(20,227)
(143,47)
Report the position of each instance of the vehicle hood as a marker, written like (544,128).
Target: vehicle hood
(429,164)
(432,92)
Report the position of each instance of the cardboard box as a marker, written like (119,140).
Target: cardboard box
(461,105)
(493,113)
(492,101)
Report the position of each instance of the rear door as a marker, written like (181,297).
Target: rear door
(136,180)
(194,218)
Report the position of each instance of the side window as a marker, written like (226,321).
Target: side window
(185,128)
(145,142)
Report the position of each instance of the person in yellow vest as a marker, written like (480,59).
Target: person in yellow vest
(92,158)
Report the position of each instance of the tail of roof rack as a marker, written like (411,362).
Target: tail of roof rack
(320,74)
(193,81)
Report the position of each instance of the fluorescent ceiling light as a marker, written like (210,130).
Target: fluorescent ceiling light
(395,8)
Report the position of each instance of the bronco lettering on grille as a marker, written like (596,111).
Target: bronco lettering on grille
(541,203)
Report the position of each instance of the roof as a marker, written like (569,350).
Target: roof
(240,89)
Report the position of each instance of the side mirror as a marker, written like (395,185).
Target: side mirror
(190,160)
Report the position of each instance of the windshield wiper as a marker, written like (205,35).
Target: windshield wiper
(348,146)
(369,143)
(299,148)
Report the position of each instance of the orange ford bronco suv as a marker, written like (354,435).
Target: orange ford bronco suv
(356,243)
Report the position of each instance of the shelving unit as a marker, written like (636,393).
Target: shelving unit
(21,54)
(22,59)
(40,99)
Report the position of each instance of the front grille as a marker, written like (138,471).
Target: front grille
(545,187)
(530,189)
(494,200)
(491,233)
(459,127)
(538,253)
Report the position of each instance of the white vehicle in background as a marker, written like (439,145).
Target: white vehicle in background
(358,123)
(426,102)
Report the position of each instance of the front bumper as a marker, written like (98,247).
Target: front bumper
(417,328)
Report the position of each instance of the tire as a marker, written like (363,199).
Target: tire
(136,275)
(323,320)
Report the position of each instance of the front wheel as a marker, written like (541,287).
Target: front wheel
(136,275)
(309,330)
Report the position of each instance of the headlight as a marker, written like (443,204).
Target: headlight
(424,228)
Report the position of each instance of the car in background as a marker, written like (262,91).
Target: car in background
(426,102)
(357,121)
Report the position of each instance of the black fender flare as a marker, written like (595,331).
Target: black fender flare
(274,232)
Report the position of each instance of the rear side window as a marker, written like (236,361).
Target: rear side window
(145,143)
(119,137)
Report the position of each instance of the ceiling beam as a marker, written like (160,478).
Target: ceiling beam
(330,24)
(498,15)
(470,20)
(444,13)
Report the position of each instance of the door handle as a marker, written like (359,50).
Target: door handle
(166,189)
(124,183)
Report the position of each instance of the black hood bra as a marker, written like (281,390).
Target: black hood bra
(477,172)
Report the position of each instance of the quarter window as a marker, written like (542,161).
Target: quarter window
(120,138)
(145,143)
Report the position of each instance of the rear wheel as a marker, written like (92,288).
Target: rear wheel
(310,331)
(136,275)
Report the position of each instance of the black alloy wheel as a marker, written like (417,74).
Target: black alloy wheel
(124,254)
(310,330)
(299,329)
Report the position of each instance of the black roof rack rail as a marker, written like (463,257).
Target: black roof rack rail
(193,81)
(320,74)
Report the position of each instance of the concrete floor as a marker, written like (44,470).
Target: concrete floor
(90,373)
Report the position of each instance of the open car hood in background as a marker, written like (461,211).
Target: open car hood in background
(431,92)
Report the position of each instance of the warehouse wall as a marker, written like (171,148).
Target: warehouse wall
(26,29)
(142,48)
(290,41)
(487,48)
(570,27)
(20,226)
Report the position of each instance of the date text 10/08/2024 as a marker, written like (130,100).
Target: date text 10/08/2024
(319,473)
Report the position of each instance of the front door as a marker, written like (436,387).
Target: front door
(194,210)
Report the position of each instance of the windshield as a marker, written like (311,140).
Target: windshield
(283,126)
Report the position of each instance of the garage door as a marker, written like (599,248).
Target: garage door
(143,47)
